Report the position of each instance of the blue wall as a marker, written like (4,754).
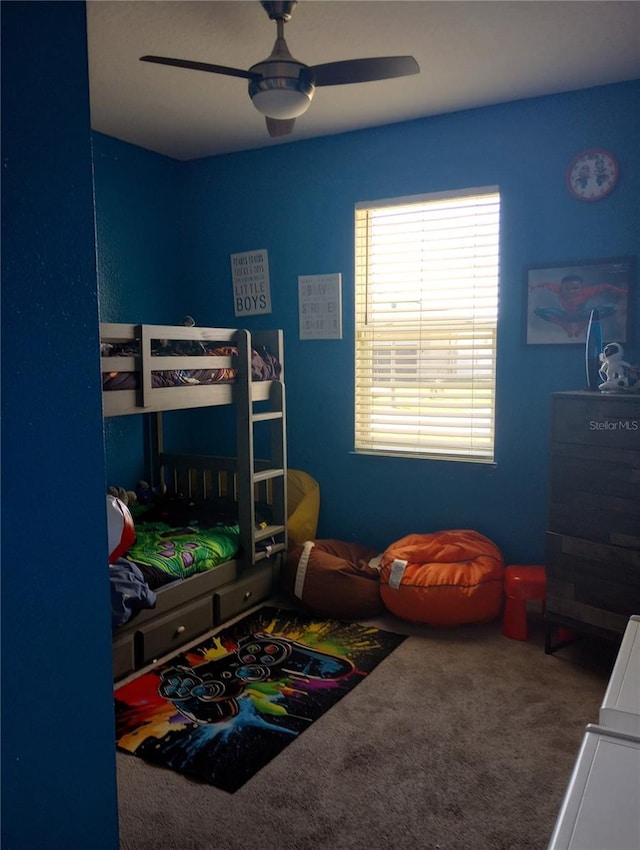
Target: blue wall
(297,201)
(141,265)
(58,755)
(141,268)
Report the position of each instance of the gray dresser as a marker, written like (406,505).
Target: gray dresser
(593,540)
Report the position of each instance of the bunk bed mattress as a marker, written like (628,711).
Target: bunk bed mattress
(164,553)
(264,367)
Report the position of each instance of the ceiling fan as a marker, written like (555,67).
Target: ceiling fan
(281,88)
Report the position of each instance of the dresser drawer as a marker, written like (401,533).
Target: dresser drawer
(237,597)
(609,474)
(123,656)
(592,582)
(173,630)
(597,419)
(582,509)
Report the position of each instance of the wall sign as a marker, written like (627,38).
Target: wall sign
(250,275)
(320,306)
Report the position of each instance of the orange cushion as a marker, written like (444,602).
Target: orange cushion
(333,578)
(444,579)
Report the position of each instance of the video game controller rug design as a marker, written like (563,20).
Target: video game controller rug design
(223,709)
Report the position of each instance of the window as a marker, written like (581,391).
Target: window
(426,281)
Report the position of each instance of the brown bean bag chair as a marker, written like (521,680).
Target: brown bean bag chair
(333,578)
(443,579)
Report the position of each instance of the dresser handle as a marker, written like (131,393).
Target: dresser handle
(248,595)
(180,630)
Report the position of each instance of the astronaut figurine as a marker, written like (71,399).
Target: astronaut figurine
(613,369)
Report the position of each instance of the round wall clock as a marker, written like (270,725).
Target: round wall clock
(592,174)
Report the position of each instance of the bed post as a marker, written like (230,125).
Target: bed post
(244,446)
(153,447)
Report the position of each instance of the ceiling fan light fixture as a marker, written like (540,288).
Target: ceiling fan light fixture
(281,88)
(281,97)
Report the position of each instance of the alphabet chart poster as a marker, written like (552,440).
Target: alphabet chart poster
(250,275)
(320,306)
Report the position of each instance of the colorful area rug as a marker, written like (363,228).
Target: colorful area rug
(222,710)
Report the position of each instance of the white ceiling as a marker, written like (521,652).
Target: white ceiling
(470,53)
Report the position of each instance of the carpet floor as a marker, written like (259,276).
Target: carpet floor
(460,740)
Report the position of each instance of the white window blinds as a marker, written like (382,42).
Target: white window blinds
(426,307)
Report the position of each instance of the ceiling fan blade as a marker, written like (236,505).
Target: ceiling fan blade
(279,127)
(201,66)
(363,70)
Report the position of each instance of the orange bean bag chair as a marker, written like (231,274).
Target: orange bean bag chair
(443,579)
(333,578)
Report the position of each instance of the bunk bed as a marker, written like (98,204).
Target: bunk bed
(152,369)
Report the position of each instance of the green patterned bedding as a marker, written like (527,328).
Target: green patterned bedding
(182,552)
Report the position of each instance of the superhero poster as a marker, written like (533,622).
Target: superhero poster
(223,709)
(560,299)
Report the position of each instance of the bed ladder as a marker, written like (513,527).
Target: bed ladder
(260,480)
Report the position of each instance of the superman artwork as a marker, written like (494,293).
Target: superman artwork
(223,709)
